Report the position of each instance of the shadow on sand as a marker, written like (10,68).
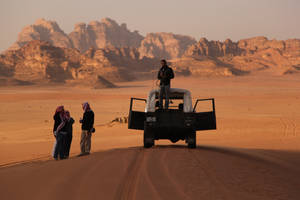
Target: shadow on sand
(274,157)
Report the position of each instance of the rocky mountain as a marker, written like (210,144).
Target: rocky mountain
(103,34)
(99,54)
(242,47)
(246,56)
(40,62)
(115,64)
(165,45)
(213,48)
(106,33)
(43,30)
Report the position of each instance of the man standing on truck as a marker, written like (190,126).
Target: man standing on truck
(165,75)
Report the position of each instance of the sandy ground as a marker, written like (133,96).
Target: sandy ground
(253,154)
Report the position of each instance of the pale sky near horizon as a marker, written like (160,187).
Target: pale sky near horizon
(213,19)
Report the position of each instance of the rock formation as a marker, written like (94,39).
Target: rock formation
(103,34)
(213,48)
(242,47)
(164,45)
(106,33)
(43,30)
(40,62)
(102,52)
(249,55)
(116,64)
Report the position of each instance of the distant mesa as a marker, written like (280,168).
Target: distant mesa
(102,53)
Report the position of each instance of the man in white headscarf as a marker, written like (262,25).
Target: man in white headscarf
(87,126)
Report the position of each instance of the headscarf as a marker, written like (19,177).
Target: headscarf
(86,107)
(59,109)
(62,115)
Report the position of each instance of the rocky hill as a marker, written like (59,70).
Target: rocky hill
(246,56)
(106,33)
(165,45)
(39,62)
(103,34)
(101,53)
(242,47)
(213,48)
(43,30)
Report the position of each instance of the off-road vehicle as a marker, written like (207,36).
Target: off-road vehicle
(178,122)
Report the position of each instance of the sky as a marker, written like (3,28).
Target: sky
(213,19)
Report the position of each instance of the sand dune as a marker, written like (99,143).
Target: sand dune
(164,172)
(253,154)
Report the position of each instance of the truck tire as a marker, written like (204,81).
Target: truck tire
(191,140)
(148,137)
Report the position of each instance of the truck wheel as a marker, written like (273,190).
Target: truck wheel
(191,140)
(148,137)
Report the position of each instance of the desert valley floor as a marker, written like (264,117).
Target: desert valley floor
(253,154)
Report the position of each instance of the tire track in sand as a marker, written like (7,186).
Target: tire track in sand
(284,126)
(218,186)
(128,186)
(289,127)
(294,124)
(176,185)
(163,182)
(147,176)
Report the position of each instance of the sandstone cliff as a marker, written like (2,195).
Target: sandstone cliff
(40,62)
(164,45)
(106,33)
(102,52)
(213,48)
(43,30)
(242,47)
(247,56)
(116,64)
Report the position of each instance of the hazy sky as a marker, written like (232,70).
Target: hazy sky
(214,19)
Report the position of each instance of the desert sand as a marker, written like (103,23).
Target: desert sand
(253,154)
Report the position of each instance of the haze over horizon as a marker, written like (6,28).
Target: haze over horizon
(215,20)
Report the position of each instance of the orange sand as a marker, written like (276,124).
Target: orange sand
(252,155)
